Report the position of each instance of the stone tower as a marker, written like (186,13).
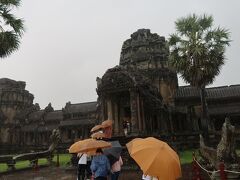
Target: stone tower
(149,52)
(13,99)
(140,89)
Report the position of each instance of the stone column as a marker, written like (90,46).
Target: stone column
(189,122)
(163,123)
(109,109)
(139,113)
(143,117)
(76,134)
(40,138)
(194,119)
(116,120)
(150,123)
(85,132)
(121,115)
(158,123)
(134,113)
(171,122)
(100,109)
(82,132)
(103,109)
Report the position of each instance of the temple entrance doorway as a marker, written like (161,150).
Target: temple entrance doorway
(127,119)
(127,112)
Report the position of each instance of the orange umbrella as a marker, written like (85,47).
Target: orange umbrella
(107,123)
(129,145)
(156,158)
(97,127)
(93,145)
(74,148)
(98,135)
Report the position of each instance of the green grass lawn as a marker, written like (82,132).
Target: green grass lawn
(3,167)
(63,160)
(186,156)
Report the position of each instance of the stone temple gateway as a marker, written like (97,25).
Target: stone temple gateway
(143,90)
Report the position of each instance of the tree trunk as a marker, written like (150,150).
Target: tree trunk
(205,117)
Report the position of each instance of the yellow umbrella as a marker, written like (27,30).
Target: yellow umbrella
(74,148)
(97,127)
(98,135)
(107,123)
(93,145)
(129,145)
(156,158)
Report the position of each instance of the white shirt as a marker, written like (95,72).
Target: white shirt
(146,177)
(83,159)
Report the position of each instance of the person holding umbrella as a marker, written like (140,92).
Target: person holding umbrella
(88,169)
(100,166)
(116,168)
(155,158)
(82,165)
(113,153)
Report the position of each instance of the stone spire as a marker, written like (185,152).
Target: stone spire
(144,50)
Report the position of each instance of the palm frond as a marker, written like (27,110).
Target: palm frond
(10,2)
(16,24)
(188,25)
(197,50)
(11,27)
(174,38)
(205,21)
(9,42)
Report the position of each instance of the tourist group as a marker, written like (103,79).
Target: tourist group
(101,158)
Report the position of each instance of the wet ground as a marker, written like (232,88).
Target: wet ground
(47,173)
(56,173)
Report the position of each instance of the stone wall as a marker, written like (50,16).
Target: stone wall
(13,99)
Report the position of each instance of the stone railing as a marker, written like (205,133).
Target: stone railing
(33,157)
(8,159)
(11,160)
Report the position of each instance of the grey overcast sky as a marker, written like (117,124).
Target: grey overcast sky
(68,43)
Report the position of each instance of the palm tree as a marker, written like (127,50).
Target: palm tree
(11,28)
(197,53)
